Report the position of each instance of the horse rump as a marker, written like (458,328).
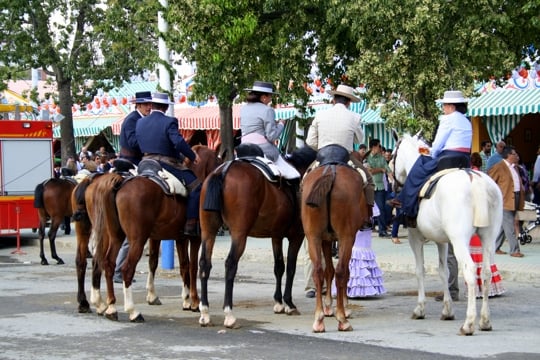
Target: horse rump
(38,196)
(320,189)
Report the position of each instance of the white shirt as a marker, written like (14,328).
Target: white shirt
(455,131)
(515,175)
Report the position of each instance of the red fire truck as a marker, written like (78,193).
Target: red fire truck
(26,158)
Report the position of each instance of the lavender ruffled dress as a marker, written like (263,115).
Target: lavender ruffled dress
(366,278)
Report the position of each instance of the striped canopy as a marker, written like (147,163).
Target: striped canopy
(85,127)
(506,102)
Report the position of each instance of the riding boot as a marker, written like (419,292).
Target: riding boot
(192,228)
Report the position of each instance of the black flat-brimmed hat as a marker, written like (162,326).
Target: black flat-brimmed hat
(142,97)
(262,87)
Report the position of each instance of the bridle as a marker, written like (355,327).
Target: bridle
(397,184)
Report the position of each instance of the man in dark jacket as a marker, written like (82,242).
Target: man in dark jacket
(129,149)
(158,138)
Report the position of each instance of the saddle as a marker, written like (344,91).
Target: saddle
(445,165)
(336,155)
(253,154)
(152,170)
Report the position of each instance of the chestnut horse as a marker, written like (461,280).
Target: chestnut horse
(333,209)
(238,195)
(139,209)
(52,199)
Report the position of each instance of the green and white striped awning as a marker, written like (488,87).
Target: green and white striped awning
(85,127)
(505,102)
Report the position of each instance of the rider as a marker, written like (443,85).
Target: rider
(258,126)
(159,139)
(453,139)
(340,126)
(129,148)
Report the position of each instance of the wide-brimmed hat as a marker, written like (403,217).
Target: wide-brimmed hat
(142,97)
(346,91)
(262,87)
(161,98)
(453,97)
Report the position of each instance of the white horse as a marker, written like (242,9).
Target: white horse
(464,202)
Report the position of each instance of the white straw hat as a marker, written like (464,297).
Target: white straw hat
(453,97)
(346,91)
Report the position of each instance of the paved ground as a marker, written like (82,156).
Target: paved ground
(383,321)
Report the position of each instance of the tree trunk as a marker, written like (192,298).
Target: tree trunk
(226,132)
(66,125)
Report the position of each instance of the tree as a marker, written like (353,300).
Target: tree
(79,43)
(409,52)
(236,42)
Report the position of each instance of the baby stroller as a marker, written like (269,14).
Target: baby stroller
(524,237)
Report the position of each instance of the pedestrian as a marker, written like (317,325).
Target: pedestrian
(485,153)
(536,178)
(378,167)
(507,178)
(496,157)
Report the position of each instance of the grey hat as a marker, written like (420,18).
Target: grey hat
(161,98)
(262,87)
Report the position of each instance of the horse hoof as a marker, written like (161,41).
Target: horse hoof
(447,317)
(318,327)
(138,319)
(60,262)
(279,308)
(44,262)
(113,316)
(486,328)
(293,312)
(418,317)
(466,333)
(156,301)
(345,326)
(84,309)
(195,309)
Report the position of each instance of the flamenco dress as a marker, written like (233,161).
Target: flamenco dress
(365,278)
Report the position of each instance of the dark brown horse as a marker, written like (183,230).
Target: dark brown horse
(238,195)
(139,209)
(333,208)
(52,199)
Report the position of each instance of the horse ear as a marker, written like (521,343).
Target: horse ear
(395,134)
(418,134)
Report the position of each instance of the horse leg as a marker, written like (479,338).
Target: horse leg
(485,321)
(238,245)
(463,257)
(279,270)
(112,245)
(342,277)
(182,246)
(329,272)
(205,266)
(83,234)
(295,242)
(417,247)
(41,231)
(153,253)
(314,249)
(194,246)
(447,311)
(95,293)
(55,223)
(136,247)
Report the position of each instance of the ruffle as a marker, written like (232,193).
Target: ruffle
(365,276)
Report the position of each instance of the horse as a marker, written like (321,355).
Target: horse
(463,202)
(334,208)
(52,199)
(139,209)
(238,195)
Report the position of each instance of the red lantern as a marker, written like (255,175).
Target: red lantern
(318,83)
(523,73)
(89,107)
(183,98)
(124,101)
(114,102)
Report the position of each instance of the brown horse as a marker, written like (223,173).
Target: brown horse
(139,209)
(52,199)
(238,195)
(333,208)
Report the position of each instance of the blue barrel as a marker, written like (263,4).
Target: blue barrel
(167,254)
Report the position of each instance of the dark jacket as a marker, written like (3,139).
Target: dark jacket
(158,133)
(129,148)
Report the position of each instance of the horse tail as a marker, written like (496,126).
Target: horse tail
(321,188)
(480,201)
(38,196)
(78,201)
(213,201)
(104,208)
